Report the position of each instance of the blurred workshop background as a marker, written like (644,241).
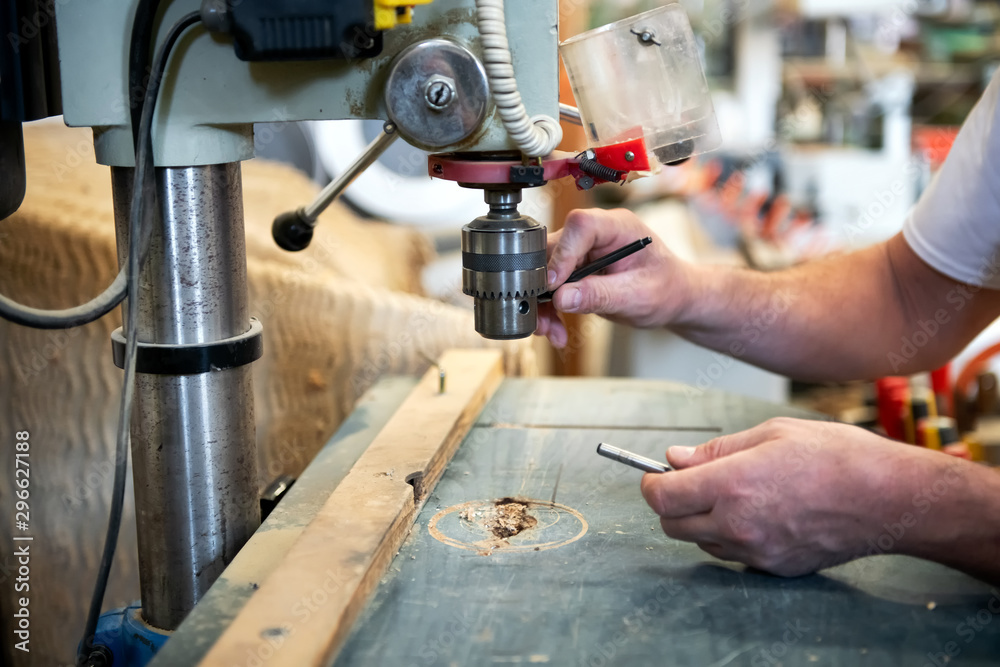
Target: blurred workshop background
(834,117)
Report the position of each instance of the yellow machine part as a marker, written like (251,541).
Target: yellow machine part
(390,13)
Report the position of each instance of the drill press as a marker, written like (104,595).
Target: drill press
(192,434)
(472,81)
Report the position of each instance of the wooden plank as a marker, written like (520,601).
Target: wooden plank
(304,611)
(277,535)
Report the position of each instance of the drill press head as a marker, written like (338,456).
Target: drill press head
(503,266)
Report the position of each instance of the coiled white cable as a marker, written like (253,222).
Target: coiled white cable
(536,136)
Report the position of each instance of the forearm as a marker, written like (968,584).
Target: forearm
(948,511)
(879,311)
(808,321)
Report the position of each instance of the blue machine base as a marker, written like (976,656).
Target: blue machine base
(132,642)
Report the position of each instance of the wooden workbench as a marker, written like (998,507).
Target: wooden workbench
(596,582)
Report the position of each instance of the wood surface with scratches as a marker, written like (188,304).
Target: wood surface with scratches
(303,612)
(596,582)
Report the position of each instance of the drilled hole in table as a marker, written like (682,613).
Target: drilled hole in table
(507,525)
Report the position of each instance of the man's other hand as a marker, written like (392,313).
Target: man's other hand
(794,496)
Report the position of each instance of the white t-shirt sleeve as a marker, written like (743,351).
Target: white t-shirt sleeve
(955,226)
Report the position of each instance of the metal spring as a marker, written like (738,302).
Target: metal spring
(598,170)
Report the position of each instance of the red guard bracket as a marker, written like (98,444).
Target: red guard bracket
(616,156)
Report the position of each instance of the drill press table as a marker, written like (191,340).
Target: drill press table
(595,581)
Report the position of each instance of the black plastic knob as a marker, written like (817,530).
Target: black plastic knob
(291,231)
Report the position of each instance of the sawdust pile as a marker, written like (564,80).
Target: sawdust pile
(506,518)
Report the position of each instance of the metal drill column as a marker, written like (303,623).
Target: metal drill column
(193,436)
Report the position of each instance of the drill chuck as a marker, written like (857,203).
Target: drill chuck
(503,268)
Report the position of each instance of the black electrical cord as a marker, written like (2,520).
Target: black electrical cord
(104,303)
(140,215)
(139,47)
(67,318)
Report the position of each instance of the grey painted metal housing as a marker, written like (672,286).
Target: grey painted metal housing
(210,98)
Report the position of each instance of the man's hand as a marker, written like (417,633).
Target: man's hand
(794,496)
(647,289)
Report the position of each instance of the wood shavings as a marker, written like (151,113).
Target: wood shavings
(315,380)
(505,519)
(510,518)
